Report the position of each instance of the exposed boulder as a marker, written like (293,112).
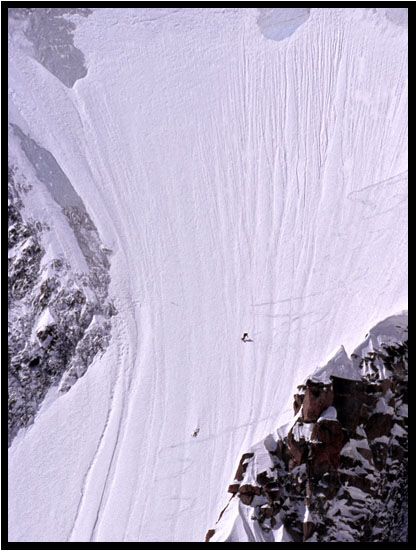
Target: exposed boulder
(297,448)
(317,398)
(243,465)
(377,425)
(247,493)
(298,402)
(327,440)
(233,488)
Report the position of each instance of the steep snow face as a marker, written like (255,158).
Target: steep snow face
(244,184)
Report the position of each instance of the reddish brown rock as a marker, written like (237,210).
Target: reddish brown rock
(210,534)
(321,471)
(223,510)
(233,488)
(385,385)
(247,492)
(379,424)
(308,530)
(328,440)
(243,465)
(317,398)
(246,498)
(298,402)
(249,489)
(297,448)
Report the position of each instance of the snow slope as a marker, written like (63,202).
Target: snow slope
(244,184)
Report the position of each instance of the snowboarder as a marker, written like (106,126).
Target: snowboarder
(245,337)
(195,433)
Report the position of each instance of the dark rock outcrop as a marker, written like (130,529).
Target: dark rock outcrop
(353,401)
(247,493)
(340,472)
(317,398)
(327,440)
(59,318)
(243,464)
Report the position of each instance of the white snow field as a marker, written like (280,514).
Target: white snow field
(244,184)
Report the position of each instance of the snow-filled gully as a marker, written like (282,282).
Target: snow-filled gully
(243,184)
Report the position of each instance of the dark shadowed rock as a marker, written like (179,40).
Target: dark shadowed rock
(378,424)
(367,454)
(380,453)
(272,495)
(352,402)
(263,479)
(361,482)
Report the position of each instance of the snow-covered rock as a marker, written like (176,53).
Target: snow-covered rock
(57,284)
(342,477)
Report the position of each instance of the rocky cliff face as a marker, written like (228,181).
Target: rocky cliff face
(59,311)
(338,470)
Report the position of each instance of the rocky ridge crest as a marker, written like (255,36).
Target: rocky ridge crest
(58,316)
(338,470)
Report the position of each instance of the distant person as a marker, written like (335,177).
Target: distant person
(195,433)
(245,337)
